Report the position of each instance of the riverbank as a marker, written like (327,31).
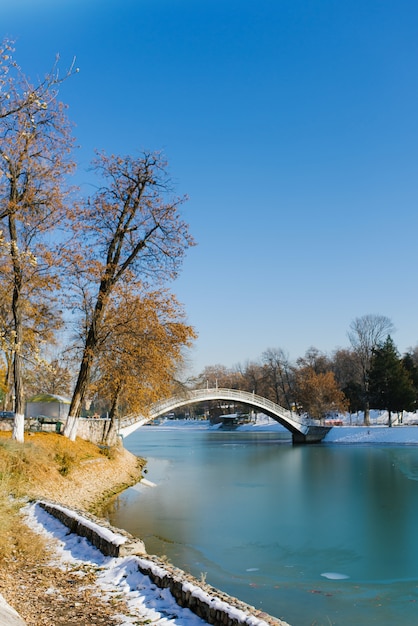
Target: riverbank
(154,591)
(60,582)
(355,433)
(349,433)
(33,580)
(63,579)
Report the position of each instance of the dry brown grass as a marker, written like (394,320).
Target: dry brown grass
(49,465)
(40,461)
(76,474)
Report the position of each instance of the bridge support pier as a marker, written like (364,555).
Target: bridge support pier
(314,434)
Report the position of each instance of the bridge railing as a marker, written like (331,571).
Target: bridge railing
(127,420)
(243,397)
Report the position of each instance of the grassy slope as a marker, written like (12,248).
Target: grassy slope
(50,466)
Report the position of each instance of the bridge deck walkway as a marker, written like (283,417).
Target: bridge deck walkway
(304,430)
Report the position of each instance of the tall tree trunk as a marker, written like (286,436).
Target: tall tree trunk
(113,414)
(19,419)
(18,432)
(8,401)
(71,425)
(367,414)
(366,402)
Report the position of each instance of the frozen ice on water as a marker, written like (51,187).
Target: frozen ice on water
(334,576)
(147,483)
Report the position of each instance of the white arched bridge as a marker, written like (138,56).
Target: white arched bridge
(303,430)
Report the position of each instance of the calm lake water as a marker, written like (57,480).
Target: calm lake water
(316,535)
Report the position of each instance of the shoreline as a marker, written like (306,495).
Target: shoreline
(91,486)
(194,601)
(157,592)
(40,573)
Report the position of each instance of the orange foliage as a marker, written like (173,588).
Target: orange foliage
(141,348)
(318,393)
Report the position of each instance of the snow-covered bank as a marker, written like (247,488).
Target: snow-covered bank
(115,576)
(407,435)
(378,432)
(146,585)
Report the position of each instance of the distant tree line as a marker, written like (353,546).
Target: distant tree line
(370,374)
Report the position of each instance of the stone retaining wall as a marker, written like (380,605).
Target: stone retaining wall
(212,605)
(94,430)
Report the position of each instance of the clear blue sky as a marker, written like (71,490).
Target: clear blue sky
(291,125)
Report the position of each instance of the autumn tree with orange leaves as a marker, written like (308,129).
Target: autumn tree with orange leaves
(42,320)
(140,350)
(50,376)
(131,233)
(317,393)
(35,145)
(2,385)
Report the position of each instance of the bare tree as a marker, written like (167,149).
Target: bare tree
(278,376)
(17,93)
(35,142)
(252,376)
(130,230)
(348,374)
(48,376)
(346,367)
(366,334)
(315,359)
(214,376)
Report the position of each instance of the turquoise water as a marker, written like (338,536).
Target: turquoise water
(315,535)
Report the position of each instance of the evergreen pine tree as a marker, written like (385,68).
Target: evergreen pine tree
(391,386)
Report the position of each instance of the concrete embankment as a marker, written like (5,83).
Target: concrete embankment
(211,605)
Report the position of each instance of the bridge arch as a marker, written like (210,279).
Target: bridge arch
(303,430)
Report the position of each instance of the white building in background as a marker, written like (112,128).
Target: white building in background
(48,405)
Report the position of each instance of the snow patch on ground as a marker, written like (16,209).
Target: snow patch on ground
(146,602)
(354,433)
(116,576)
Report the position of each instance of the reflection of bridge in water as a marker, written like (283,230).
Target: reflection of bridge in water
(303,430)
